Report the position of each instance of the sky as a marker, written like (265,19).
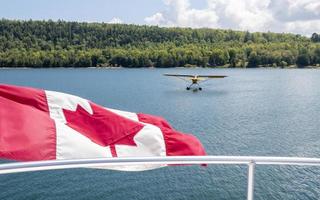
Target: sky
(295,16)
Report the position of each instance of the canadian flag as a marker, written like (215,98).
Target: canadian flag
(45,125)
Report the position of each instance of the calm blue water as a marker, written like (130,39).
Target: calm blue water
(261,112)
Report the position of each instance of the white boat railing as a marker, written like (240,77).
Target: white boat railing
(250,161)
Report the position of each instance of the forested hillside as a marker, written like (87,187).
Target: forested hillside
(74,44)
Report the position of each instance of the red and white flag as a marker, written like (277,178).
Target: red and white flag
(45,125)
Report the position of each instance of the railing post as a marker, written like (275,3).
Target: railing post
(250,194)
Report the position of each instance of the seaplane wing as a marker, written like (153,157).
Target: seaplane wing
(195,76)
(180,75)
(195,79)
(211,76)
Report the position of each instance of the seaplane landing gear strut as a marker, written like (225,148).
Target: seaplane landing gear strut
(196,88)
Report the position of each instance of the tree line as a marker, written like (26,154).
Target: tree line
(78,44)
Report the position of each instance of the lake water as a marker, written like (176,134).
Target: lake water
(260,112)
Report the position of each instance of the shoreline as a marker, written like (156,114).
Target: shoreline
(194,67)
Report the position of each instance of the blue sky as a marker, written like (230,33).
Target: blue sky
(79,10)
(129,11)
(296,16)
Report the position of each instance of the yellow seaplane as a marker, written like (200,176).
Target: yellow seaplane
(195,79)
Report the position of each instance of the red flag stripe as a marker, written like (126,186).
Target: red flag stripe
(26,130)
(177,144)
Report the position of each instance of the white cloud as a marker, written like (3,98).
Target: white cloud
(295,10)
(313,7)
(303,27)
(115,20)
(245,15)
(155,19)
(298,16)
(179,13)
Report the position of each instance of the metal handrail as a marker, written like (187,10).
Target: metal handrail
(251,161)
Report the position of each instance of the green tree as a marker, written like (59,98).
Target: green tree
(303,60)
(315,37)
(253,60)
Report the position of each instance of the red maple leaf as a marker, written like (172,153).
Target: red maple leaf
(103,127)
